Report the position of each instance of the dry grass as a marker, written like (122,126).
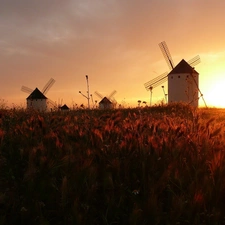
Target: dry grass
(160,165)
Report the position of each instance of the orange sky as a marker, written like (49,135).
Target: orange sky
(114,42)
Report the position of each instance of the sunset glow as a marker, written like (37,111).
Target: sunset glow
(215,94)
(115,43)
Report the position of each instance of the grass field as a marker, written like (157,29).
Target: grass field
(159,165)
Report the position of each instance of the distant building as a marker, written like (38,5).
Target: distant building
(183,83)
(37,100)
(105,103)
(64,107)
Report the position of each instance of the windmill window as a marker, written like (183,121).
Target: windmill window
(187,76)
(172,77)
(178,76)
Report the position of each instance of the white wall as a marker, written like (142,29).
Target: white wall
(183,88)
(105,106)
(37,104)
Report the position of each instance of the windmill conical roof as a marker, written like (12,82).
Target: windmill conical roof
(105,100)
(36,94)
(182,67)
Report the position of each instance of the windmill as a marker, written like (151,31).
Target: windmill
(107,102)
(61,106)
(182,79)
(37,99)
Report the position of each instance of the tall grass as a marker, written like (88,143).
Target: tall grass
(159,165)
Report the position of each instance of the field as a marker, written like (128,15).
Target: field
(159,165)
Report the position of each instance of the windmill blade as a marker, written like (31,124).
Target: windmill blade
(48,86)
(161,81)
(114,102)
(155,81)
(99,95)
(149,83)
(166,54)
(26,89)
(112,94)
(156,84)
(194,61)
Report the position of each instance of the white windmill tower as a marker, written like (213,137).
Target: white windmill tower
(183,80)
(37,99)
(107,102)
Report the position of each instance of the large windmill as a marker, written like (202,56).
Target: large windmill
(183,80)
(107,102)
(37,99)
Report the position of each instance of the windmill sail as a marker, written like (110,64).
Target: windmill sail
(156,81)
(26,89)
(112,94)
(99,95)
(48,86)
(194,61)
(166,54)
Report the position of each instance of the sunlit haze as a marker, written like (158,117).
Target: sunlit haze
(115,43)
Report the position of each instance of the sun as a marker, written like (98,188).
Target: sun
(214,96)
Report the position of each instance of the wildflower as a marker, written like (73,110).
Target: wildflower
(135,192)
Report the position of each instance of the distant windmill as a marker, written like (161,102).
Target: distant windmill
(183,82)
(64,107)
(107,102)
(37,99)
